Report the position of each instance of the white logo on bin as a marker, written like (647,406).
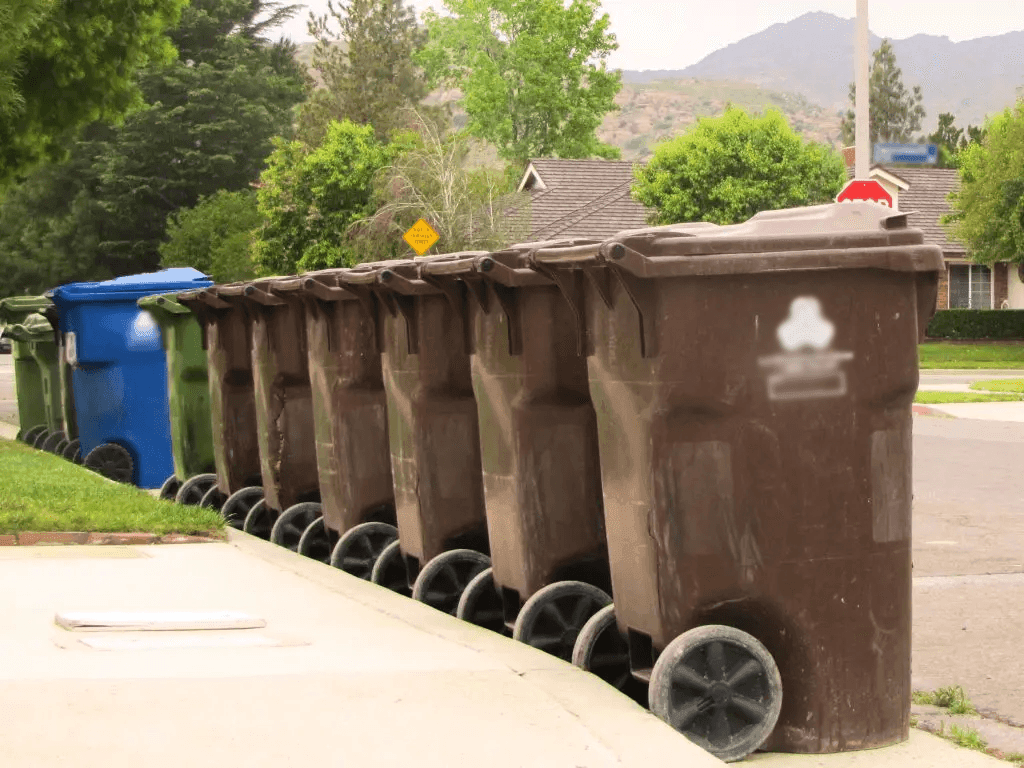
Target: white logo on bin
(70,348)
(143,332)
(806,369)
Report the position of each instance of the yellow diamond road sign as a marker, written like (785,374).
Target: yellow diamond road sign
(420,237)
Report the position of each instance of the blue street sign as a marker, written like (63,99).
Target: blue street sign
(925,154)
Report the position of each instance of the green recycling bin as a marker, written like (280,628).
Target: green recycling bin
(27,375)
(189,400)
(72,450)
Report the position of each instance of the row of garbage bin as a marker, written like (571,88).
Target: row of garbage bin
(710,424)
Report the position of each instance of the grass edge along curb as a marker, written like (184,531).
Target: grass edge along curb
(70,538)
(945,355)
(932,397)
(999,385)
(42,493)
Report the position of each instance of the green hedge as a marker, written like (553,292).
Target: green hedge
(977,324)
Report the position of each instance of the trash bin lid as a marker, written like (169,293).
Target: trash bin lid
(13,308)
(131,287)
(32,328)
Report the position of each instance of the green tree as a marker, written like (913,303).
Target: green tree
(470,208)
(309,199)
(727,168)
(533,73)
(947,136)
(208,126)
(365,69)
(987,212)
(215,236)
(895,113)
(64,64)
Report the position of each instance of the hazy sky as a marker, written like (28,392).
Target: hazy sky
(672,34)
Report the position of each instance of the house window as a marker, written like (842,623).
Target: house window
(970,286)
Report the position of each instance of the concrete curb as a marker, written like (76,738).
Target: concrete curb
(625,728)
(57,538)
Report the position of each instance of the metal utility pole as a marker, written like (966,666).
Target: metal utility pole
(862,126)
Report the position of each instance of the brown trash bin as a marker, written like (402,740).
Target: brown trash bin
(433,435)
(284,413)
(753,385)
(538,434)
(227,330)
(350,424)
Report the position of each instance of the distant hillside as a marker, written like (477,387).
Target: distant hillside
(813,56)
(650,112)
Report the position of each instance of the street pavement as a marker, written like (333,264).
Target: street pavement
(352,675)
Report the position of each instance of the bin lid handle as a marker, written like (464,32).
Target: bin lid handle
(262,297)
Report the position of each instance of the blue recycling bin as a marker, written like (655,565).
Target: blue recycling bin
(119,373)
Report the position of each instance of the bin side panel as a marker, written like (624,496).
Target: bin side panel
(538,435)
(350,409)
(232,401)
(435,445)
(757,474)
(44,352)
(189,396)
(28,386)
(284,407)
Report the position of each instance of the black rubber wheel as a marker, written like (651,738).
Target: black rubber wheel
(55,439)
(260,520)
(358,548)
(441,582)
(602,650)
(29,437)
(290,524)
(317,541)
(720,687)
(170,488)
(59,450)
(193,489)
(213,499)
(40,438)
(552,618)
(389,571)
(480,603)
(239,504)
(73,452)
(112,461)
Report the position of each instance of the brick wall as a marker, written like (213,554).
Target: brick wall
(1000,284)
(943,300)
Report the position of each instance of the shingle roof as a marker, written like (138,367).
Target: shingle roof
(583,198)
(927,200)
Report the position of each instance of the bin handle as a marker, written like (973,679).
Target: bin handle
(400,284)
(568,285)
(497,272)
(325,292)
(576,254)
(212,300)
(262,297)
(172,306)
(456,301)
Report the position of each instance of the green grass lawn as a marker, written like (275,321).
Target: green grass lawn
(1000,385)
(937,398)
(937,354)
(42,492)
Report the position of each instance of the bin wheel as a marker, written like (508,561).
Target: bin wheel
(40,438)
(480,603)
(213,499)
(30,436)
(602,650)
(50,444)
(170,488)
(260,520)
(358,548)
(441,582)
(317,541)
(59,450)
(73,452)
(112,461)
(389,571)
(193,489)
(552,618)
(290,524)
(720,687)
(239,504)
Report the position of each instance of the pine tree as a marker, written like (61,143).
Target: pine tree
(895,113)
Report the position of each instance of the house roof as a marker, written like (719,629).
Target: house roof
(927,200)
(581,198)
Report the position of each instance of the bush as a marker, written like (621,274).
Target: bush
(977,324)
